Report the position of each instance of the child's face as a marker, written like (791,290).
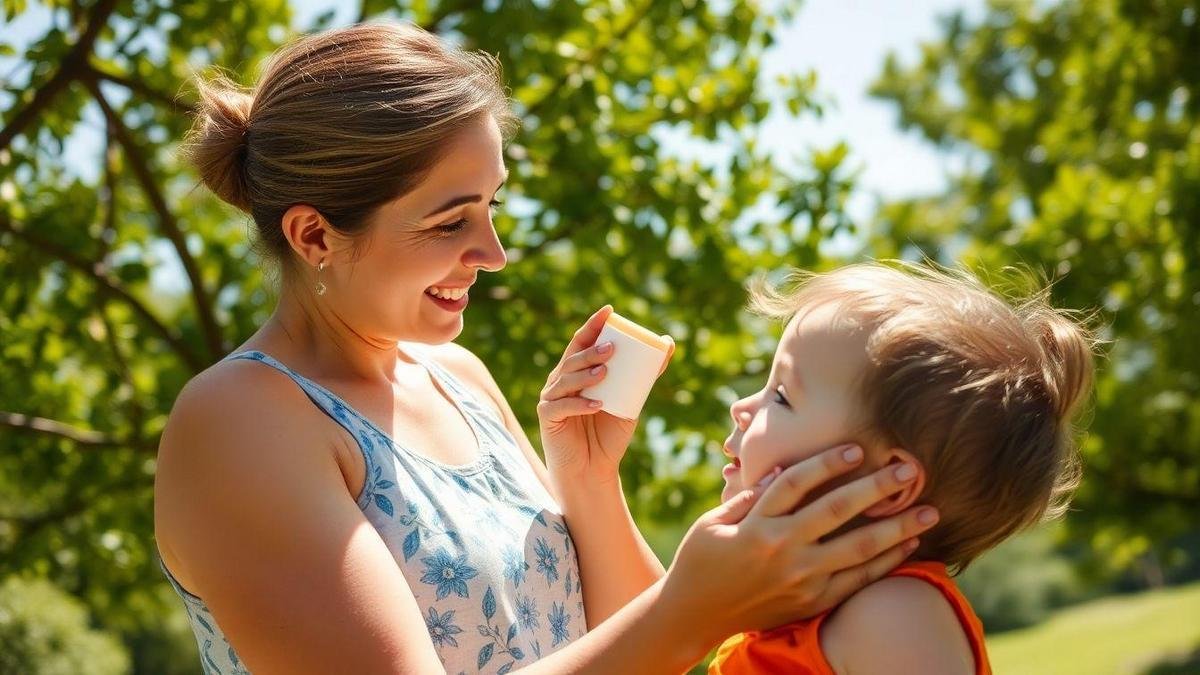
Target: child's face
(810,402)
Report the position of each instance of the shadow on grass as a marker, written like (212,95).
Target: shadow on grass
(1185,663)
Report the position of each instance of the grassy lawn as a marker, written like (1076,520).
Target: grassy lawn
(1123,634)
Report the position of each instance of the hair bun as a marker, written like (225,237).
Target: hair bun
(216,144)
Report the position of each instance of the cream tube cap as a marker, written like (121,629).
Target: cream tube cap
(638,356)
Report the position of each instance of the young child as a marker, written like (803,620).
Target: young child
(925,367)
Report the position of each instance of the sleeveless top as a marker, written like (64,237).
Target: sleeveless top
(796,647)
(482,546)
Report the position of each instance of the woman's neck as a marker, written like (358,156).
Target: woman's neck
(312,336)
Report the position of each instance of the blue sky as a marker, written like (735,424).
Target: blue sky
(845,43)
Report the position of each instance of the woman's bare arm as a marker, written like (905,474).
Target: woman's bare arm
(252,504)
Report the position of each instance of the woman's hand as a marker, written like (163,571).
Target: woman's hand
(581,442)
(757,562)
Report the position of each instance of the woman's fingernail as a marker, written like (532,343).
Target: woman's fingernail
(911,545)
(603,347)
(852,454)
(927,516)
(906,472)
(596,370)
(595,404)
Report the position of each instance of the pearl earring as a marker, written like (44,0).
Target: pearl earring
(320,287)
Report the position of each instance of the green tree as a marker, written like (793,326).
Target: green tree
(120,283)
(1079,126)
(44,631)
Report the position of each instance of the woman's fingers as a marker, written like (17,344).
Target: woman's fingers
(838,507)
(849,581)
(868,541)
(587,358)
(736,508)
(789,489)
(587,333)
(568,384)
(560,409)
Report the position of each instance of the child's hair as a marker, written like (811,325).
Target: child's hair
(981,391)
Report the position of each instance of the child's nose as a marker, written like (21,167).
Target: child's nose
(740,412)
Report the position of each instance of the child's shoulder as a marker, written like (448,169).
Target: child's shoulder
(898,624)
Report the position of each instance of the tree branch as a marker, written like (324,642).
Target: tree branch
(170,226)
(74,65)
(106,286)
(108,231)
(140,88)
(83,437)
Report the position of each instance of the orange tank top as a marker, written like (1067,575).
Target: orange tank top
(796,647)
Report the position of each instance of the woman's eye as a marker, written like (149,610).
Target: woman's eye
(780,398)
(451,228)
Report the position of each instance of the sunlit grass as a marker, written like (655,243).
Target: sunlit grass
(1127,634)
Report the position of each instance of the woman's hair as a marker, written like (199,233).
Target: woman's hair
(343,121)
(981,391)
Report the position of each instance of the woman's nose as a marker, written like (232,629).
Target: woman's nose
(487,254)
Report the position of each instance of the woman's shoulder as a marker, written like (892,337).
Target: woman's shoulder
(235,428)
(239,416)
(235,390)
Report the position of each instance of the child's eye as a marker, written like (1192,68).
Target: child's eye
(495,203)
(780,398)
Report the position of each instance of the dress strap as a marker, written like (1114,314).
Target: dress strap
(363,430)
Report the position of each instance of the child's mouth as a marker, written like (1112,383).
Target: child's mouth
(731,468)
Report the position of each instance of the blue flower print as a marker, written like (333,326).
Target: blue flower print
(547,560)
(527,614)
(381,501)
(426,525)
(514,566)
(441,628)
(561,528)
(558,623)
(501,642)
(447,573)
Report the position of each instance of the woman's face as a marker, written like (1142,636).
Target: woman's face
(431,242)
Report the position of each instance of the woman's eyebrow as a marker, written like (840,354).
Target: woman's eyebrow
(460,200)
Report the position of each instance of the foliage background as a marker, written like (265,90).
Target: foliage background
(119,281)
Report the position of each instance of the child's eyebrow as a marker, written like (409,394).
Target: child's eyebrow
(788,377)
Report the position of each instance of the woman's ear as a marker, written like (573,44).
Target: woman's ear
(903,499)
(305,229)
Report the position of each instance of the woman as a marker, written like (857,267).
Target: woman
(350,492)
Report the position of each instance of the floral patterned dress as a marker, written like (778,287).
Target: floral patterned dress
(483,546)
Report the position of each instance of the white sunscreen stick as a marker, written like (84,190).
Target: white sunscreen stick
(638,356)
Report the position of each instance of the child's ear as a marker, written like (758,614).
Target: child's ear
(903,499)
